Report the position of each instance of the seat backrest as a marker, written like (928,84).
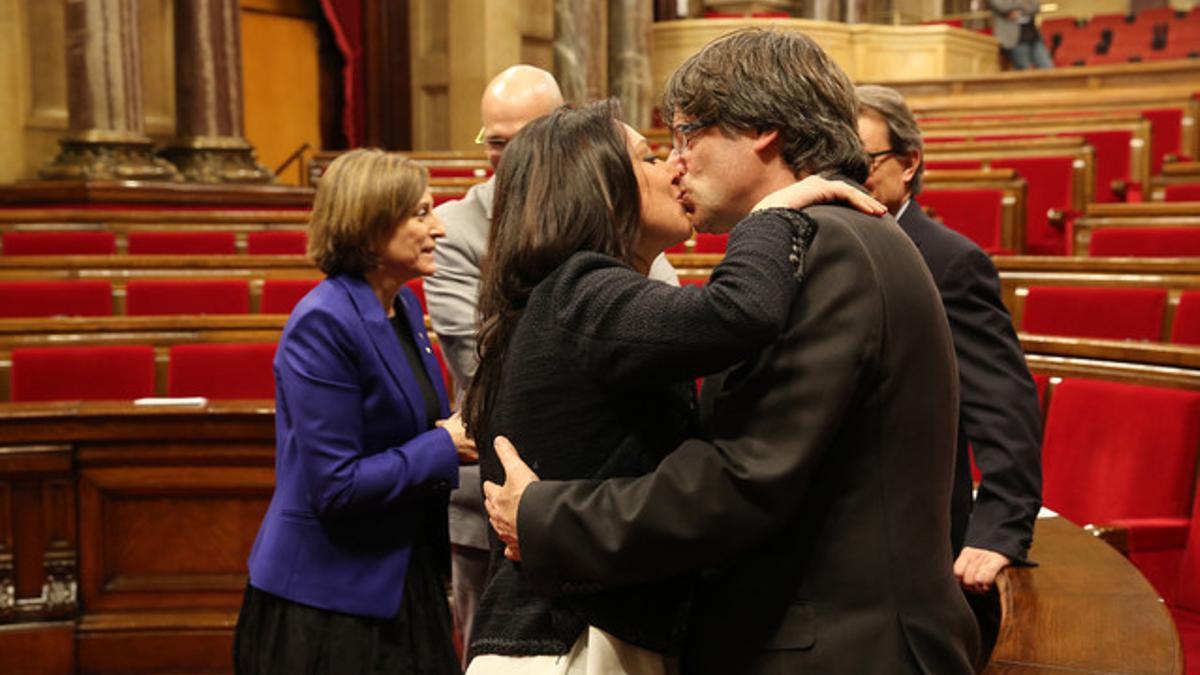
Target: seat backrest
(1113,450)
(82,373)
(28,299)
(1107,313)
(711,243)
(1113,159)
(1185,330)
(277,242)
(59,242)
(222,370)
(1187,592)
(1182,192)
(1049,186)
(1145,242)
(279,296)
(148,297)
(976,214)
(182,243)
(1166,135)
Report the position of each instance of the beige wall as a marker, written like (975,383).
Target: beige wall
(457,47)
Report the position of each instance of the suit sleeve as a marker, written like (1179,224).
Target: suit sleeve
(1000,413)
(453,290)
(706,501)
(628,330)
(322,388)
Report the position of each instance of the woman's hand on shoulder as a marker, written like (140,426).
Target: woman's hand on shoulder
(817,190)
(467,453)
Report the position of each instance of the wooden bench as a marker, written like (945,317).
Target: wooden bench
(1019,273)
(1174,173)
(1132,215)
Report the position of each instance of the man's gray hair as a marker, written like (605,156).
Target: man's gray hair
(758,80)
(904,135)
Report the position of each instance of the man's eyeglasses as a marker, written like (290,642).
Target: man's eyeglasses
(875,156)
(682,134)
(494,143)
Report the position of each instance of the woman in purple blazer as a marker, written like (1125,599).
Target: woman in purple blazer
(346,574)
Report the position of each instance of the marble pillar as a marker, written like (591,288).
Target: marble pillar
(580,49)
(209,144)
(105,139)
(629,30)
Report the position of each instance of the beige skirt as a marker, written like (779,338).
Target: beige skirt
(594,653)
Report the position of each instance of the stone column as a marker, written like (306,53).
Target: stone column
(580,49)
(105,138)
(629,24)
(209,145)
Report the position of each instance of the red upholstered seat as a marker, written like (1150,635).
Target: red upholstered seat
(1145,242)
(59,242)
(279,296)
(1166,135)
(182,243)
(1049,186)
(1186,327)
(711,243)
(1042,383)
(459,172)
(976,214)
(447,378)
(417,286)
(55,298)
(1188,624)
(222,370)
(1115,451)
(1126,454)
(187,296)
(277,242)
(1113,156)
(693,281)
(82,373)
(1108,313)
(1183,192)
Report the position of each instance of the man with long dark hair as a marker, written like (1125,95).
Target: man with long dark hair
(821,494)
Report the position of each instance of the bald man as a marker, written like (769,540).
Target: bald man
(514,98)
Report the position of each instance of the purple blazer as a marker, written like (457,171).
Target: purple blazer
(350,450)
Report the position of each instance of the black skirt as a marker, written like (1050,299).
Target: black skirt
(278,636)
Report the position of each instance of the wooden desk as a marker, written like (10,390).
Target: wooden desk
(1085,609)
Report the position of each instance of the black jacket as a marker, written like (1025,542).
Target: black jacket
(823,489)
(999,414)
(598,382)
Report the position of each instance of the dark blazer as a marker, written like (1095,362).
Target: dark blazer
(351,450)
(591,388)
(822,491)
(999,414)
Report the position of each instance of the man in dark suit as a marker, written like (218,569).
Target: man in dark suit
(999,414)
(820,495)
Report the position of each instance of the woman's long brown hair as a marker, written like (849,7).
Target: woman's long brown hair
(565,184)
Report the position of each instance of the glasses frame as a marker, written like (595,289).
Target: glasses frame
(482,139)
(874,157)
(681,135)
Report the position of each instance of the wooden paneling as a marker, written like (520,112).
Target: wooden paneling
(281,81)
(864,51)
(38,649)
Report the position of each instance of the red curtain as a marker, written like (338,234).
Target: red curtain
(345,19)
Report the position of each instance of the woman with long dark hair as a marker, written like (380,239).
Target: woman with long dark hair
(587,365)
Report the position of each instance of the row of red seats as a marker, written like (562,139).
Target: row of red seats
(155,297)
(1110,313)
(1150,35)
(1125,454)
(212,370)
(100,242)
